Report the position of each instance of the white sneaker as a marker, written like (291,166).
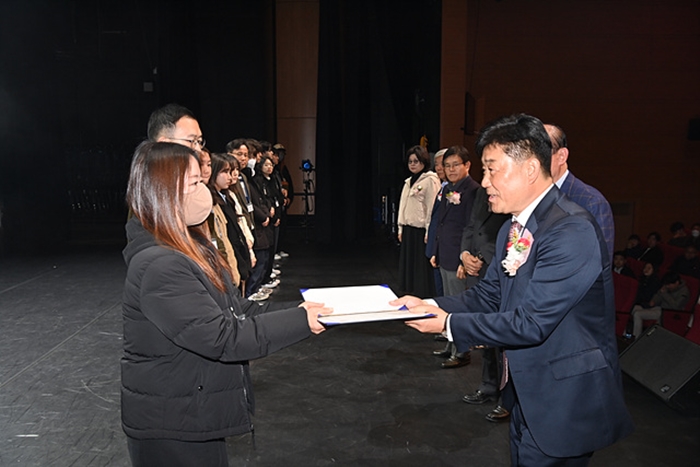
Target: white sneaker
(283,254)
(266,290)
(277,257)
(272,284)
(259,297)
(273,275)
(277,272)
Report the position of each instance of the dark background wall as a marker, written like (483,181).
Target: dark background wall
(79,78)
(622,78)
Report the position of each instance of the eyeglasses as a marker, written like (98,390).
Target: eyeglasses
(452,166)
(238,153)
(194,142)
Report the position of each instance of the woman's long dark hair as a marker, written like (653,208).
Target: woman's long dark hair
(218,165)
(155,196)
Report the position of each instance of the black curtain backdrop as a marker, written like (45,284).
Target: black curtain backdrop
(343,194)
(379,80)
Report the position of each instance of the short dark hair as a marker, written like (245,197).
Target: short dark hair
(459,151)
(676,226)
(670,278)
(236,143)
(520,136)
(422,155)
(162,121)
(254,147)
(656,235)
(634,237)
(620,253)
(266,146)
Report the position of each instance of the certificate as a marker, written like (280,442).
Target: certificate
(359,304)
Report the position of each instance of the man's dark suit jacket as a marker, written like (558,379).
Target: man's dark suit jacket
(594,202)
(556,321)
(451,220)
(480,234)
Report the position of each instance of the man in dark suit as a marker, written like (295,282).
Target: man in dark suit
(453,213)
(478,248)
(580,193)
(547,299)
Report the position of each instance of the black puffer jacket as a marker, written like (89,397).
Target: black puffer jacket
(186,345)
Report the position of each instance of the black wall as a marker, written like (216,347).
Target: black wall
(73,102)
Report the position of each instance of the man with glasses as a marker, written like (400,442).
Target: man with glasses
(175,124)
(453,213)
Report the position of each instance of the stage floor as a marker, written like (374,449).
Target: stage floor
(357,395)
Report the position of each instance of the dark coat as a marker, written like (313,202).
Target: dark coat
(185,372)
(479,236)
(262,201)
(235,235)
(451,221)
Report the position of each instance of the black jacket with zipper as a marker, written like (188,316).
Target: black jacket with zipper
(185,371)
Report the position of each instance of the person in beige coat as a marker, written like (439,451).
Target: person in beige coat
(416,205)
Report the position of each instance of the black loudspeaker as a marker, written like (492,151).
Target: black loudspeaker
(668,365)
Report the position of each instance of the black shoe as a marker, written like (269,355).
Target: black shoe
(456,362)
(442,353)
(479,398)
(499,414)
(440,338)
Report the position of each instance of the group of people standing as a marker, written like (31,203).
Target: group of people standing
(448,234)
(546,300)
(251,191)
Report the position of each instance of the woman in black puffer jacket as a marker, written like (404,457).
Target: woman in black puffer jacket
(188,333)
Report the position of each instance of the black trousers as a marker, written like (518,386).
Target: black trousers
(175,453)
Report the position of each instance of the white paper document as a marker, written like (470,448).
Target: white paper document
(358,304)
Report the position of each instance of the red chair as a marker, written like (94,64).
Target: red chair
(694,333)
(636,266)
(670,254)
(677,321)
(625,293)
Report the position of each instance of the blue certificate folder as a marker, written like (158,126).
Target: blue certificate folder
(359,304)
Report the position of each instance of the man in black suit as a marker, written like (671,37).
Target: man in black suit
(478,245)
(453,212)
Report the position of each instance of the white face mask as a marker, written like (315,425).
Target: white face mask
(197,205)
(695,233)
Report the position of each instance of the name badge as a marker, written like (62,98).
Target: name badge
(250,207)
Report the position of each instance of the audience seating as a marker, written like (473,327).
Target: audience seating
(625,293)
(636,266)
(693,333)
(670,254)
(677,321)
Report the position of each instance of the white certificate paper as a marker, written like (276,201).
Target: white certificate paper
(359,304)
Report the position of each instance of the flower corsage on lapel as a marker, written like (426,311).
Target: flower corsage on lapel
(453,197)
(416,190)
(518,249)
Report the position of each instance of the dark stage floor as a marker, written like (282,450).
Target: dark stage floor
(358,395)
